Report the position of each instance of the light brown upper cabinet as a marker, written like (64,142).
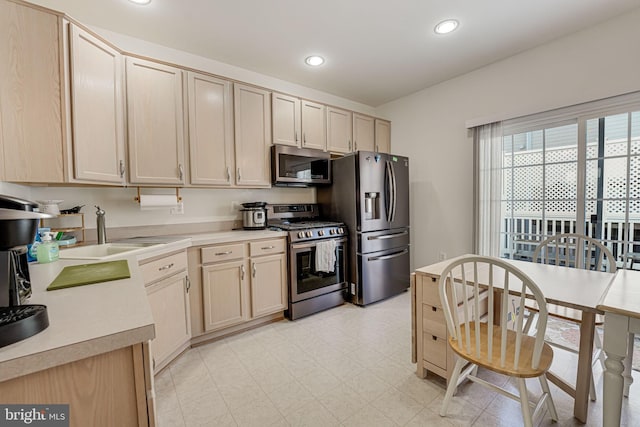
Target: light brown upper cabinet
(383,136)
(211,139)
(155,123)
(285,116)
(339,125)
(97,125)
(252,108)
(298,123)
(363,133)
(314,133)
(31,95)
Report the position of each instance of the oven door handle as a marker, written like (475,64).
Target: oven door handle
(387,236)
(310,245)
(381,258)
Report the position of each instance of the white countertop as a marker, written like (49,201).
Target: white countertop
(92,319)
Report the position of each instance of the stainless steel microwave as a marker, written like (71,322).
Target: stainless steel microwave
(299,167)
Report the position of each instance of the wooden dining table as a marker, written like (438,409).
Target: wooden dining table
(621,306)
(573,288)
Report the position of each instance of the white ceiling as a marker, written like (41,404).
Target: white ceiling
(375,50)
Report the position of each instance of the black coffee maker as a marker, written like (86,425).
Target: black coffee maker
(18,226)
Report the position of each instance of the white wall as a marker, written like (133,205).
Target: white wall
(429,126)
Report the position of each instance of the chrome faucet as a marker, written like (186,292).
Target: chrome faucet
(100,226)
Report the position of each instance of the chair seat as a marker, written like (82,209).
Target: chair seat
(564,313)
(492,362)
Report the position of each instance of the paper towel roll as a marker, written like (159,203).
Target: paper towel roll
(156,201)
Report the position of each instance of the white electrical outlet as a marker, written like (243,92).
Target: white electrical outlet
(178,210)
(442,256)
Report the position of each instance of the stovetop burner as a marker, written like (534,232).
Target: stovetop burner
(302,225)
(303,222)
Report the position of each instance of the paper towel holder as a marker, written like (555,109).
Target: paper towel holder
(178,197)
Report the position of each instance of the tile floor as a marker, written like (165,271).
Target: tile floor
(347,366)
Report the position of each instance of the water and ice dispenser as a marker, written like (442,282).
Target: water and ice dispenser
(372,205)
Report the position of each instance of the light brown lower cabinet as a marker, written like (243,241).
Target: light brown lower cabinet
(241,284)
(167,286)
(109,389)
(432,352)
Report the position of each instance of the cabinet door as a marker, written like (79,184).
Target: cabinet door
(225,296)
(155,123)
(97,109)
(286,119)
(339,124)
(268,284)
(210,130)
(383,136)
(314,134)
(169,303)
(253,136)
(363,133)
(31,95)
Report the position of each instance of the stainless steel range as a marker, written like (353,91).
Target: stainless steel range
(317,258)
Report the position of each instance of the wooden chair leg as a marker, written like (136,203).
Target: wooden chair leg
(597,343)
(592,389)
(551,407)
(453,385)
(524,403)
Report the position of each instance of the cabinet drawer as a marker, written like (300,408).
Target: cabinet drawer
(435,350)
(222,253)
(433,321)
(267,247)
(164,267)
(430,292)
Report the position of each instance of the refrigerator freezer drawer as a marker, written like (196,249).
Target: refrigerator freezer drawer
(382,275)
(382,240)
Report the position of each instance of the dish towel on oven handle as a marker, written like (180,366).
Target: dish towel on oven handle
(326,256)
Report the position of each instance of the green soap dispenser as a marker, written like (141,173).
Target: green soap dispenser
(48,250)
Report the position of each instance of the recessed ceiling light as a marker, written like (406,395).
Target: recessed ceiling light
(446,26)
(314,60)
(140,1)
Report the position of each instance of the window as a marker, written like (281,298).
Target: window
(571,172)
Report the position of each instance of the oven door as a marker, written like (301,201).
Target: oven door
(304,281)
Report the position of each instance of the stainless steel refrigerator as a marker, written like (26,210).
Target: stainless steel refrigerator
(370,194)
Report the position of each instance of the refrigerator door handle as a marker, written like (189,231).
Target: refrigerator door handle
(387,236)
(388,190)
(381,258)
(395,192)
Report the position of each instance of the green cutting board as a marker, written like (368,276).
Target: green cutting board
(87,274)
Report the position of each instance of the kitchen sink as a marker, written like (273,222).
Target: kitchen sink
(105,251)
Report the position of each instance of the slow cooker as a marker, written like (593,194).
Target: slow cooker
(254,215)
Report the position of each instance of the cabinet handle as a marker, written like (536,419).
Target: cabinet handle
(187,283)
(349,145)
(433,279)
(242,272)
(239,175)
(295,135)
(180,171)
(355,145)
(377,148)
(228,174)
(165,267)
(434,309)
(121,168)
(223,253)
(264,248)
(304,138)
(433,337)
(253,269)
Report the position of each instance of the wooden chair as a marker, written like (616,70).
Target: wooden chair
(481,343)
(575,251)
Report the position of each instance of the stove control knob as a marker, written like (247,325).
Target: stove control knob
(321,233)
(301,234)
(340,230)
(332,231)
(309,233)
